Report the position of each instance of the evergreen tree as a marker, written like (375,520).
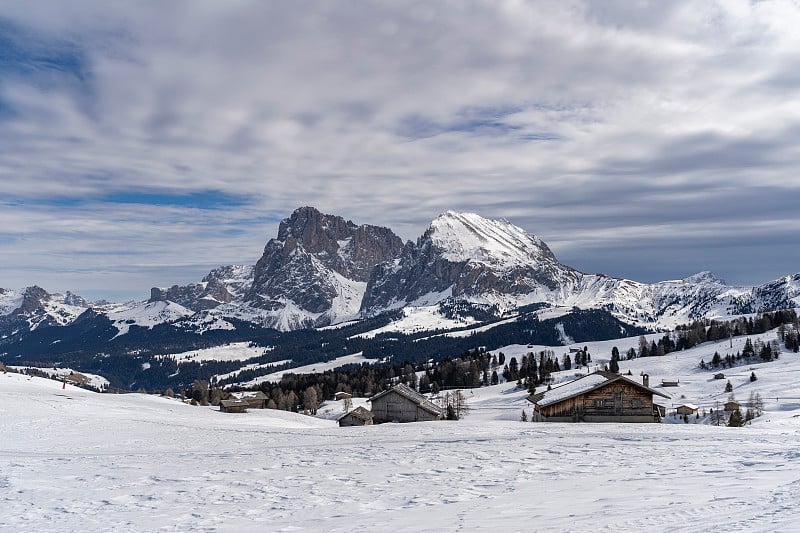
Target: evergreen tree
(495,379)
(728,387)
(524,417)
(753,377)
(736,420)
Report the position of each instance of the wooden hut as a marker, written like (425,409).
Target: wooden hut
(357,417)
(719,375)
(670,382)
(597,397)
(233,406)
(403,404)
(732,405)
(255,400)
(342,396)
(687,409)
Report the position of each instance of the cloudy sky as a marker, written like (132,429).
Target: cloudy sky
(143,143)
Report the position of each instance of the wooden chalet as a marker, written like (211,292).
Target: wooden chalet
(357,417)
(233,406)
(598,397)
(687,409)
(732,405)
(401,403)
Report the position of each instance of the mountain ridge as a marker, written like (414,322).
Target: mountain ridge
(322,269)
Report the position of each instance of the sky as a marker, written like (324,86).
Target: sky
(144,143)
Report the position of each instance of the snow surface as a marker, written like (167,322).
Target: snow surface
(145,314)
(94,380)
(572,388)
(235,351)
(72,460)
(470,237)
(419,319)
(356,358)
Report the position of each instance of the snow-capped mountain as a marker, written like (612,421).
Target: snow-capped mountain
(315,272)
(34,307)
(222,285)
(322,269)
(463,257)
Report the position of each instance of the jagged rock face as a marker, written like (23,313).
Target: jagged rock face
(221,285)
(465,255)
(32,299)
(299,265)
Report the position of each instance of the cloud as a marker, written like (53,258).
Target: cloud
(616,131)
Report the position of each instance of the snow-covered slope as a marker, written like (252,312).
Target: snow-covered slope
(35,306)
(144,314)
(80,461)
(463,257)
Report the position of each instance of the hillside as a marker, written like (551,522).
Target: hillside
(77,460)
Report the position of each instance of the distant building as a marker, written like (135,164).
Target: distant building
(403,404)
(687,409)
(255,400)
(670,383)
(731,406)
(233,406)
(598,397)
(77,378)
(357,417)
(720,375)
(342,396)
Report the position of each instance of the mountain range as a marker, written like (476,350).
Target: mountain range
(326,290)
(322,270)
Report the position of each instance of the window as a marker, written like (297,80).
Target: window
(636,403)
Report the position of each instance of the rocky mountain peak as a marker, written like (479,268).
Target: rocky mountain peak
(471,237)
(301,265)
(32,299)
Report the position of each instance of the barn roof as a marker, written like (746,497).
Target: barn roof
(413,396)
(233,403)
(583,385)
(360,413)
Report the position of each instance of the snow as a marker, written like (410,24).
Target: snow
(356,358)
(470,237)
(571,389)
(73,460)
(236,351)
(145,314)
(94,380)
(418,319)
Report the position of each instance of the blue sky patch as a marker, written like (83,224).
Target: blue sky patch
(40,59)
(196,200)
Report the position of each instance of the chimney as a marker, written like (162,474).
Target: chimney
(646,380)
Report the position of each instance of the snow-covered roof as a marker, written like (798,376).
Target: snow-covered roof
(359,412)
(582,385)
(568,390)
(410,394)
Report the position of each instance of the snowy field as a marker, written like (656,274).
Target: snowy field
(73,460)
